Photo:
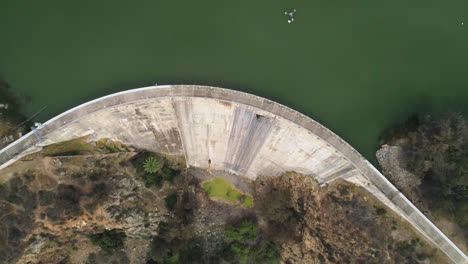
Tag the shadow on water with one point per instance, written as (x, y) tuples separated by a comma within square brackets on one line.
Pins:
[(14, 112), (418, 107)]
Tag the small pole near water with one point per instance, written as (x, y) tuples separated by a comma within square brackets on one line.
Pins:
[(8, 138), (36, 131), (29, 119), (290, 15)]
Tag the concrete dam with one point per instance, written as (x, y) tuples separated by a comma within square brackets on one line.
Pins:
[(225, 130)]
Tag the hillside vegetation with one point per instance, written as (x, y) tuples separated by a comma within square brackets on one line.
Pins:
[(435, 150), (104, 202), (12, 120)]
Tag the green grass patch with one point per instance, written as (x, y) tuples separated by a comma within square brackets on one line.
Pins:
[(77, 146), (111, 146), (219, 187), (248, 200)]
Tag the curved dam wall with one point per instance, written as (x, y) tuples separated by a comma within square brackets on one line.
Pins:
[(225, 130)]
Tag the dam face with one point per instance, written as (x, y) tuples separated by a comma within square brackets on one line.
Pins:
[(225, 130), (219, 132)]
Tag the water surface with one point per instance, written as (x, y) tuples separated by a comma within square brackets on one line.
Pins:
[(355, 66)]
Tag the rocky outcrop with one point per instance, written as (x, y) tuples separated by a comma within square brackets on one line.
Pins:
[(390, 159), (47, 212)]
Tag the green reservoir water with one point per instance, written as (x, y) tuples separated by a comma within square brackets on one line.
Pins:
[(355, 66)]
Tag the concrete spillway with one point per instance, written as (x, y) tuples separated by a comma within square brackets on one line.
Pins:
[(225, 130)]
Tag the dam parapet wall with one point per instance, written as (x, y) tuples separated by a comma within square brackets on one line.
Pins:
[(225, 130)]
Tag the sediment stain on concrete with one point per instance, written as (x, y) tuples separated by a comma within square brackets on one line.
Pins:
[(204, 125), (343, 173), (248, 134), (185, 120), (165, 139)]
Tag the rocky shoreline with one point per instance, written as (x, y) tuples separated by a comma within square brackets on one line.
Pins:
[(12, 121), (390, 159)]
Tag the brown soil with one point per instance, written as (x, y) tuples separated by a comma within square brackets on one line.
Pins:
[(9, 133), (49, 206), (341, 223)]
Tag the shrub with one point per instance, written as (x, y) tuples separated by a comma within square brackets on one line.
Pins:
[(68, 199), (158, 250), (168, 174), (94, 176), (154, 169), (3, 191), (175, 251), (245, 245), (91, 259), (152, 180), (266, 252), (278, 210), (192, 251), (380, 210), (151, 165), (109, 241), (171, 201), (172, 258), (244, 231), (99, 191), (46, 197)]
